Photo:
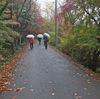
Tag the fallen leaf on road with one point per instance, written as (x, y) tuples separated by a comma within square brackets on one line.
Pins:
[(74, 76), (7, 83), (80, 75), (85, 88), (50, 82), (18, 89), (45, 90), (8, 71), (32, 90), (88, 82), (14, 97), (1, 89), (12, 78), (27, 67), (14, 89), (24, 82), (88, 74), (30, 85), (13, 81), (78, 97), (6, 89), (75, 94), (88, 94), (94, 79), (20, 75)]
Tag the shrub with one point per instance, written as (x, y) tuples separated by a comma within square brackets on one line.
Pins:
[(52, 38), (83, 46)]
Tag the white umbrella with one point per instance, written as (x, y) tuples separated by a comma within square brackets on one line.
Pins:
[(40, 36), (46, 34), (30, 36)]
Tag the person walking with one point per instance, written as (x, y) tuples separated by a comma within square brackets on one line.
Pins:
[(39, 39), (31, 40), (45, 41)]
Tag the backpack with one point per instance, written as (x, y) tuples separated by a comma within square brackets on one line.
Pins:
[(46, 39)]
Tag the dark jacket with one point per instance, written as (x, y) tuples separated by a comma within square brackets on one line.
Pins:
[(45, 39), (39, 39)]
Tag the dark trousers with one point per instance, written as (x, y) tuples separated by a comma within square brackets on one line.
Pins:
[(39, 42), (39, 39), (45, 44), (31, 45)]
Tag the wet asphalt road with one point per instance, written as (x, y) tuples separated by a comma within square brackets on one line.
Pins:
[(45, 74)]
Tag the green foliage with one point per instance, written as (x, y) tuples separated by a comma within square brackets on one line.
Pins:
[(8, 32), (52, 38), (3, 7), (87, 39), (10, 40), (7, 41), (82, 45), (23, 12), (96, 2), (98, 70), (79, 32), (49, 25), (32, 23)]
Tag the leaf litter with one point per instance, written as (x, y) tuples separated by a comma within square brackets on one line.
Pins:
[(7, 70)]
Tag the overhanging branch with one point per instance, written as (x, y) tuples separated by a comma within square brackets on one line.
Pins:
[(92, 17)]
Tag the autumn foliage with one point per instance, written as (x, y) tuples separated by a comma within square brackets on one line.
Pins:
[(7, 71)]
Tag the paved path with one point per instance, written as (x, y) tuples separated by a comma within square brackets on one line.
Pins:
[(45, 74)]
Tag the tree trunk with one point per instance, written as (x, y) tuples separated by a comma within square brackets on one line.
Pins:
[(21, 10), (20, 40)]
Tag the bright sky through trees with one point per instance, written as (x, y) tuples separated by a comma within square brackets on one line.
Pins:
[(42, 2)]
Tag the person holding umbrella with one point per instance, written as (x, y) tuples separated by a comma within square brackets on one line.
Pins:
[(45, 40), (39, 36), (31, 40)]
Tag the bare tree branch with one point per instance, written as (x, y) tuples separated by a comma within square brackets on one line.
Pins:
[(21, 10), (92, 17)]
